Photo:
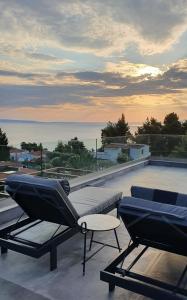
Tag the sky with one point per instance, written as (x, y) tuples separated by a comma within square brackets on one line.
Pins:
[(92, 60)]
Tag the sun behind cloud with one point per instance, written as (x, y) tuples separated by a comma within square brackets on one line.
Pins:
[(126, 68), (149, 70)]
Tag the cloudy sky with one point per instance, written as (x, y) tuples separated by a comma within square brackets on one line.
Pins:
[(91, 60)]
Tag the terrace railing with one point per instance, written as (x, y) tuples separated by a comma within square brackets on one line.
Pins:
[(93, 156)]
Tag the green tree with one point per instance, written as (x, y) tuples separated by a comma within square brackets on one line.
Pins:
[(51, 155), (84, 160), (60, 147), (150, 126), (172, 125), (56, 161), (163, 139), (150, 133), (31, 146), (180, 151), (122, 158), (4, 149), (76, 146), (72, 155), (172, 130), (121, 128), (184, 126)]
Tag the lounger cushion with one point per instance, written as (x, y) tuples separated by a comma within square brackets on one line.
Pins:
[(46, 200), (90, 200)]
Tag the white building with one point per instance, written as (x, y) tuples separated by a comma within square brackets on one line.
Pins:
[(134, 151), (138, 151), (20, 155), (24, 155)]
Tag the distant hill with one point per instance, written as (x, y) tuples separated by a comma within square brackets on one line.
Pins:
[(59, 122), (46, 122), (17, 121)]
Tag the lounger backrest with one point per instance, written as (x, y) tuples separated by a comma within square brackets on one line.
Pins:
[(155, 222), (42, 199)]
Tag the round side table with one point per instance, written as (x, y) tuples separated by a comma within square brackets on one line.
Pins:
[(97, 222)]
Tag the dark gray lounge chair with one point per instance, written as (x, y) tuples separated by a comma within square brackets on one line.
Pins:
[(153, 218), (51, 215)]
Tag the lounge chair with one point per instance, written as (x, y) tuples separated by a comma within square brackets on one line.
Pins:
[(49, 216), (153, 218)]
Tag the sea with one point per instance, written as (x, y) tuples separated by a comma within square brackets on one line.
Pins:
[(49, 133)]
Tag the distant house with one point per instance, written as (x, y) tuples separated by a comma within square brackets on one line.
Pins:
[(113, 150), (24, 155), (138, 151), (20, 155)]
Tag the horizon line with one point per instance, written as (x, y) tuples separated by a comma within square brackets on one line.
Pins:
[(37, 121)]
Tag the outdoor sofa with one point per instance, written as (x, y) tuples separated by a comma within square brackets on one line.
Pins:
[(153, 218), (49, 215)]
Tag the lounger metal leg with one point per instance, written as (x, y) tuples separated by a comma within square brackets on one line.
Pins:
[(117, 241), (111, 287), (53, 258), (84, 255), (4, 250), (91, 240)]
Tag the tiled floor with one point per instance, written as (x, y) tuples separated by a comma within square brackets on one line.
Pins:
[(22, 277), (168, 178)]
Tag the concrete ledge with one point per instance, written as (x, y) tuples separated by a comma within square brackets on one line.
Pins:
[(98, 178), (168, 163)]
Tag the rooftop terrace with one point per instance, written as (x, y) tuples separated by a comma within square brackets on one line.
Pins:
[(23, 277)]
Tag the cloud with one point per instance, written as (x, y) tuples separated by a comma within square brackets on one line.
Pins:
[(36, 96), (100, 27), (73, 54), (159, 24), (89, 88)]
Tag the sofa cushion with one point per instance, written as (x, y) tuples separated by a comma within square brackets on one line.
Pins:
[(91, 200)]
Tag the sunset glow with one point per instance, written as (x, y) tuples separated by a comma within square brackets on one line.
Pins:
[(93, 60), (152, 71)]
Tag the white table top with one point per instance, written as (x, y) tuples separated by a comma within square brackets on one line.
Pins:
[(99, 222)]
